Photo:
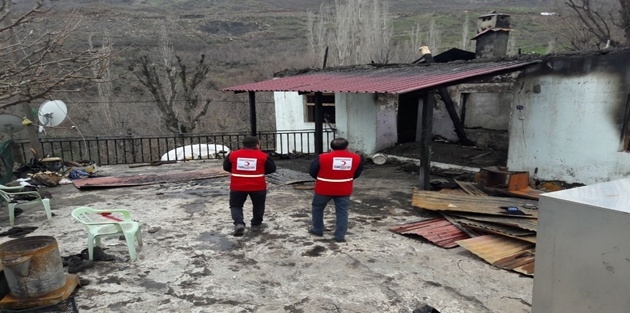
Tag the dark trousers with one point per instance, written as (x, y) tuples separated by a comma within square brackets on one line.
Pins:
[(237, 200)]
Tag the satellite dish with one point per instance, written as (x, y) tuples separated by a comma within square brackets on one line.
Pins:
[(52, 113), (10, 124)]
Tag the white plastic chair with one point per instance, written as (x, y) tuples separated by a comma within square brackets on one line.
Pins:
[(109, 228), (12, 196)]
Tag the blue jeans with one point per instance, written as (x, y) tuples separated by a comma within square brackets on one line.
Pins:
[(237, 200), (341, 214)]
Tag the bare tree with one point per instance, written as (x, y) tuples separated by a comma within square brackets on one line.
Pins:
[(434, 37), (465, 27), (607, 22), (104, 84), (35, 60), (178, 115), (357, 32)]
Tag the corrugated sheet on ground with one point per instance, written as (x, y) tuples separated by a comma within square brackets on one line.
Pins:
[(436, 230), (503, 252)]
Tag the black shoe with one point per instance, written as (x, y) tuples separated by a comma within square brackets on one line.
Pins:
[(340, 240), (256, 228), (98, 255), (77, 264), (239, 230), (65, 259), (312, 232)]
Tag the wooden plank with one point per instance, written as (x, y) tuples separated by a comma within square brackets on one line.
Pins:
[(436, 201)]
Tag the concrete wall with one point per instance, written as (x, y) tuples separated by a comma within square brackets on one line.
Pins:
[(492, 44), (569, 126), (291, 115), (368, 121), (488, 109)]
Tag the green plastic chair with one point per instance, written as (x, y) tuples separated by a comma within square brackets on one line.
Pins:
[(12, 196), (108, 226)]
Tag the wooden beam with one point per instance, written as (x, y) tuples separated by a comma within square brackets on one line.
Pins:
[(252, 113), (426, 135)]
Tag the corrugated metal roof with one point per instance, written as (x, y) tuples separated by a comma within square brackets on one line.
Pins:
[(503, 252), (522, 223), (394, 79), (498, 229), (436, 230)]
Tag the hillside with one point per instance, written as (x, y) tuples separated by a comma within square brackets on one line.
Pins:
[(247, 41)]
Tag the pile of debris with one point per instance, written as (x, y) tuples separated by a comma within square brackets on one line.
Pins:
[(499, 229), (52, 171)]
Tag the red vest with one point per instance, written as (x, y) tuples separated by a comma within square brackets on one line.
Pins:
[(248, 170), (336, 172)]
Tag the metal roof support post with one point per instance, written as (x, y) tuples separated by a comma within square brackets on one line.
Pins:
[(252, 112), (428, 100), (319, 124)]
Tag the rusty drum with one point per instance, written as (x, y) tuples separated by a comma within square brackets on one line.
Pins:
[(32, 266)]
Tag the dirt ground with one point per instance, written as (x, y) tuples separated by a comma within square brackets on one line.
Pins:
[(192, 263), (452, 153)]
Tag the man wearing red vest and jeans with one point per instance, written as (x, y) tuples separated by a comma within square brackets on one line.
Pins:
[(334, 173), (248, 167)]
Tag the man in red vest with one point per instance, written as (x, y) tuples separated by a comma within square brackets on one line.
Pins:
[(248, 167), (334, 173)]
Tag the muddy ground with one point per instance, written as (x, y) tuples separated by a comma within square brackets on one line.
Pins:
[(194, 264)]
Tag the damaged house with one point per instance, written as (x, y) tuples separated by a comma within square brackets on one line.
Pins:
[(561, 117), (377, 106), (570, 118)]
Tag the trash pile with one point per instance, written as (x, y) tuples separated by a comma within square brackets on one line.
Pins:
[(52, 171), (499, 229)]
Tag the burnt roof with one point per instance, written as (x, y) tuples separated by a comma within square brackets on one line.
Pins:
[(374, 78)]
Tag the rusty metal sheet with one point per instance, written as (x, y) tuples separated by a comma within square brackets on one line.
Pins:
[(148, 179), (503, 252), (452, 191), (436, 201), (471, 188), (394, 79), (497, 229), (439, 231), (522, 223)]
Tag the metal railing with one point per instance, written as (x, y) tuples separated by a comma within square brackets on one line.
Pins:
[(110, 150)]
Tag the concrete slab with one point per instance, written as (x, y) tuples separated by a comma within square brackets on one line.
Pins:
[(194, 264)]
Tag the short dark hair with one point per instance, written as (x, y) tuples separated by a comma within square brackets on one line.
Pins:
[(339, 144), (250, 142)]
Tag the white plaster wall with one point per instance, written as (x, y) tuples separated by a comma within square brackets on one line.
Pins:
[(290, 116), (386, 127), (567, 130), (356, 120), (368, 122)]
